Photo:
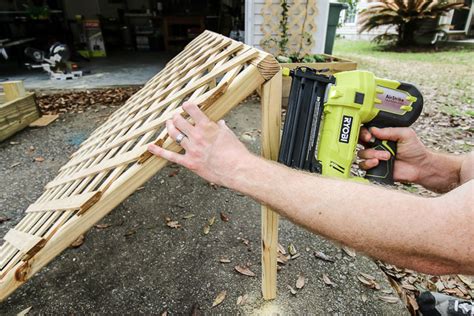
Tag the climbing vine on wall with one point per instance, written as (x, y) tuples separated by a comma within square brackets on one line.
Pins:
[(288, 27)]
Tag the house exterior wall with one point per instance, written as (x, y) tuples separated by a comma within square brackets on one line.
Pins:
[(254, 19)]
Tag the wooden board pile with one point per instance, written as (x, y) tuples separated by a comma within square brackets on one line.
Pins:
[(213, 71), (17, 108)]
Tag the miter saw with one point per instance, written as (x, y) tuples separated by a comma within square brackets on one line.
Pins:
[(56, 63)]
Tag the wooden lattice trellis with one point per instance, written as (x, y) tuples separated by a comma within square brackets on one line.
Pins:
[(215, 72), (301, 26)]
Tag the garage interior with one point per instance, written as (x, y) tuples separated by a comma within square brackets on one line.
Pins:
[(113, 42)]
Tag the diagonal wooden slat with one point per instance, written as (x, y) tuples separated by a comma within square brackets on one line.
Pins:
[(23, 241), (76, 202)]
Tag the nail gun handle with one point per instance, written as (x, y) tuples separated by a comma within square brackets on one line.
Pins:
[(383, 172)]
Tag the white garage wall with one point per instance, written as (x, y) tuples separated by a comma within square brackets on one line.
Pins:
[(254, 19)]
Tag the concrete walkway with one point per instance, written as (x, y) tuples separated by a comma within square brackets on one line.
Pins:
[(139, 265), (118, 69)]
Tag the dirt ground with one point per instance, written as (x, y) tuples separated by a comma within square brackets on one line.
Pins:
[(139, 265)]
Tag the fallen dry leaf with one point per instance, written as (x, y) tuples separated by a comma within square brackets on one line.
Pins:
[(39, 159), (410, 287), (244, 270), (173, 173), (389, 299), (78, 242), (213, 185), (468, 280), (206, 229), (242, 299), (219, 298), (224, 260), (367, 276), (4, 219), (102, 226), (327, 280), (211, 221), (350, 252), (24, 312), (13, 165), (364, 281), (300, 282), (188, 216), (295, 256), (245, 241), (78, 101), (281, 249), (292, 290), (130, 232), (292, 249), (369, 283), (14, 143), (413, 303), (173, 224), (224, 217), (321, 255), (364, 298), (282, 258)]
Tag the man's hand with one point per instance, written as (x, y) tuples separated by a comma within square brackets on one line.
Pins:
[(212, 150), (411, 155), (415, 163)]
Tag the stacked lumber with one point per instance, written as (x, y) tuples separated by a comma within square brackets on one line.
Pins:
[(17, 108)]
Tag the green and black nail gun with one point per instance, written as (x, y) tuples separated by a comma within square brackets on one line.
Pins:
[(325, 114)]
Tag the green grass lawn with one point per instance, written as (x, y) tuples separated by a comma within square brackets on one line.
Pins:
[(455, 54)]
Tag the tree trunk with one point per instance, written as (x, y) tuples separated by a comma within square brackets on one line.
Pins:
[(406, 35)]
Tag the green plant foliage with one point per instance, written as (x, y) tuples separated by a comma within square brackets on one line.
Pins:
[(295, 58), (408, 16)]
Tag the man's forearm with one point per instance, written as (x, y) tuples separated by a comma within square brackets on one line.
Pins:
[(403, 229), (444, 172)]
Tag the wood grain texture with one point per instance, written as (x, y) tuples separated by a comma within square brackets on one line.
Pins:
[(17, 114), (271, 125), (76, 202), (212, 70)]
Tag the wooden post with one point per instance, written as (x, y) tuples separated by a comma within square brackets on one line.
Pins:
[(271, 122)]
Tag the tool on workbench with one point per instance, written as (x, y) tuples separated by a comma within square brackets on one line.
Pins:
[(56, 63), (325, 114)]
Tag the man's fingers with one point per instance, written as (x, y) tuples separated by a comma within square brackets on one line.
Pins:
[(369, 163), (364, 135), (193, 111), (222, 124), (166, 154), (392, 133), (174, 132), (181, 124), (372, 153)]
